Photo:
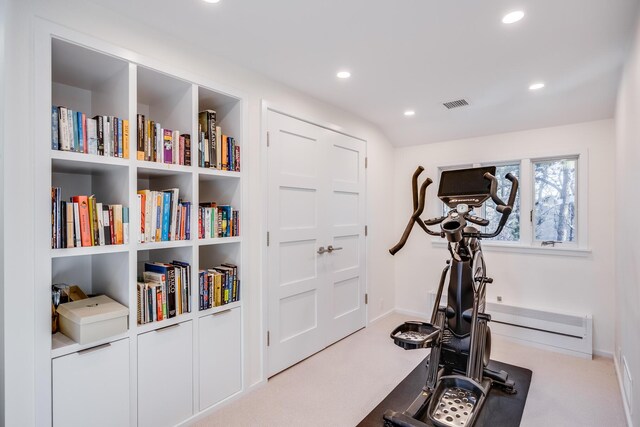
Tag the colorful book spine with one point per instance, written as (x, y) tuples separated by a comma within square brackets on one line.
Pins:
[(125, 138), (120, 139), (166, 215), (125, 225), (140, 137), (168, 146), (187, 149), (55, 132), (83, 213), (63, 129)]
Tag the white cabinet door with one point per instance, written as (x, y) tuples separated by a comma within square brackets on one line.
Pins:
[(316, 194), (91, 387), (165, 376), (220, 357)]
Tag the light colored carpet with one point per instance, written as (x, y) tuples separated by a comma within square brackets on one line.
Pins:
[(342, 384)]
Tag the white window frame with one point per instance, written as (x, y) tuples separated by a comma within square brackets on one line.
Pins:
[(527, 243), (535, 242)]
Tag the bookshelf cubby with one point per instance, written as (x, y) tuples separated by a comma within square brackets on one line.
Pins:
[(88, 81), (95, 78)]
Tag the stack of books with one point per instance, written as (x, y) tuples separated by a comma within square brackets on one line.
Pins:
[(101, 135), (217, 151), (156, 144), (219, 286), (217, 221), (163, 216), (83, 221), (164, 291)]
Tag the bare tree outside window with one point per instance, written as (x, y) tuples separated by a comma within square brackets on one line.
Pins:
[(511, 231), (555, 212)]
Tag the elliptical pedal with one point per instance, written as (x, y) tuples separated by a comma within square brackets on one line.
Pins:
[(455, 407)]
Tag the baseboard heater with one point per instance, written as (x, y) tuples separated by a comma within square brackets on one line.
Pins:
[(566, 333)]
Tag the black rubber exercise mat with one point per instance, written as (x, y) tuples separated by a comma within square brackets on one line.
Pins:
[(500, 409)]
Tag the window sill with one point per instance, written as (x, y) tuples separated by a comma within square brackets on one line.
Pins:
[(524, 249)]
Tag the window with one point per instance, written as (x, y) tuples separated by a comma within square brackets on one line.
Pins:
[(555, 208), (511, 231), (551, 196)]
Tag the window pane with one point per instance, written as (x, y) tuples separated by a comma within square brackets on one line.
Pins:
[(555, 200), (511, 230)]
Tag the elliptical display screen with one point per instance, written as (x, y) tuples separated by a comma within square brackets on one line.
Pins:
[(465, 186)]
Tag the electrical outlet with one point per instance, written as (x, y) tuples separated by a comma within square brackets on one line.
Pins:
[(499, 298)]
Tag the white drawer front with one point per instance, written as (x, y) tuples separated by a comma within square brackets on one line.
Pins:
[(165, 376), (220, 357), (91, 387)]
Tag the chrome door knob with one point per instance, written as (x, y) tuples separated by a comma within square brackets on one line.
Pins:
[(322, 250), (331, 249)]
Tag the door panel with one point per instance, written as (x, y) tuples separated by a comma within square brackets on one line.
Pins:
[(316, 199), (346, 266), (296, 188)]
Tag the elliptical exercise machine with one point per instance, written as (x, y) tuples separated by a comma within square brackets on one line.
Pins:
[(458, 380)]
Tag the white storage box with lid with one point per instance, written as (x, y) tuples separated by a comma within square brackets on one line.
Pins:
[(92, 319)]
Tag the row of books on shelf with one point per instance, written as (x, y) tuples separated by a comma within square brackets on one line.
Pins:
[(219, 286), (164, 291), (217, 221), (217, 151), (101, 135), (156, 144), (82, 221), (163, 216)]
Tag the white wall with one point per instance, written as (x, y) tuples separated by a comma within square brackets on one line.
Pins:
[(87, 18), (581, 285), (17, 220), (3, 12), (627, 203)]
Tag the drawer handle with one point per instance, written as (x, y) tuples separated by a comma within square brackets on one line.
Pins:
[(221, 312), (96, 348), (167, 327)]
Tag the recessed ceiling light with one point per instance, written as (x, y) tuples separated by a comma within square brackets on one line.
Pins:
[(409, 113), (343, 74), (212, 1), (536, 86), (512, 17)]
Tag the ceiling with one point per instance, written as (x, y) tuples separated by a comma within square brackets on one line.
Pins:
[(417, 54)]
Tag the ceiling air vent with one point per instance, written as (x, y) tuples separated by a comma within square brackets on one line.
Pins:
[(455, 104)]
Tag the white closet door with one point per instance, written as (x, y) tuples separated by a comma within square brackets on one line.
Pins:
[(297, 229), (345, 264), (316, 199)]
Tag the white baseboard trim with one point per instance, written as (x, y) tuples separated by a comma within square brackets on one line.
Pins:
[(541, 346), (417, 314), (209, 411), (603, 353), (381, 316), (624, 398), (424, 316)]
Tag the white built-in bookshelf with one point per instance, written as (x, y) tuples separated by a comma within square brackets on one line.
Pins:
[(170, 370)]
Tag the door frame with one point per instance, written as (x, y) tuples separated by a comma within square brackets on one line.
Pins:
[(266, 107)]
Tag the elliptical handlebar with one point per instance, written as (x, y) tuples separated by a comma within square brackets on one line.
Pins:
[(504, 208), (418, 204)]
